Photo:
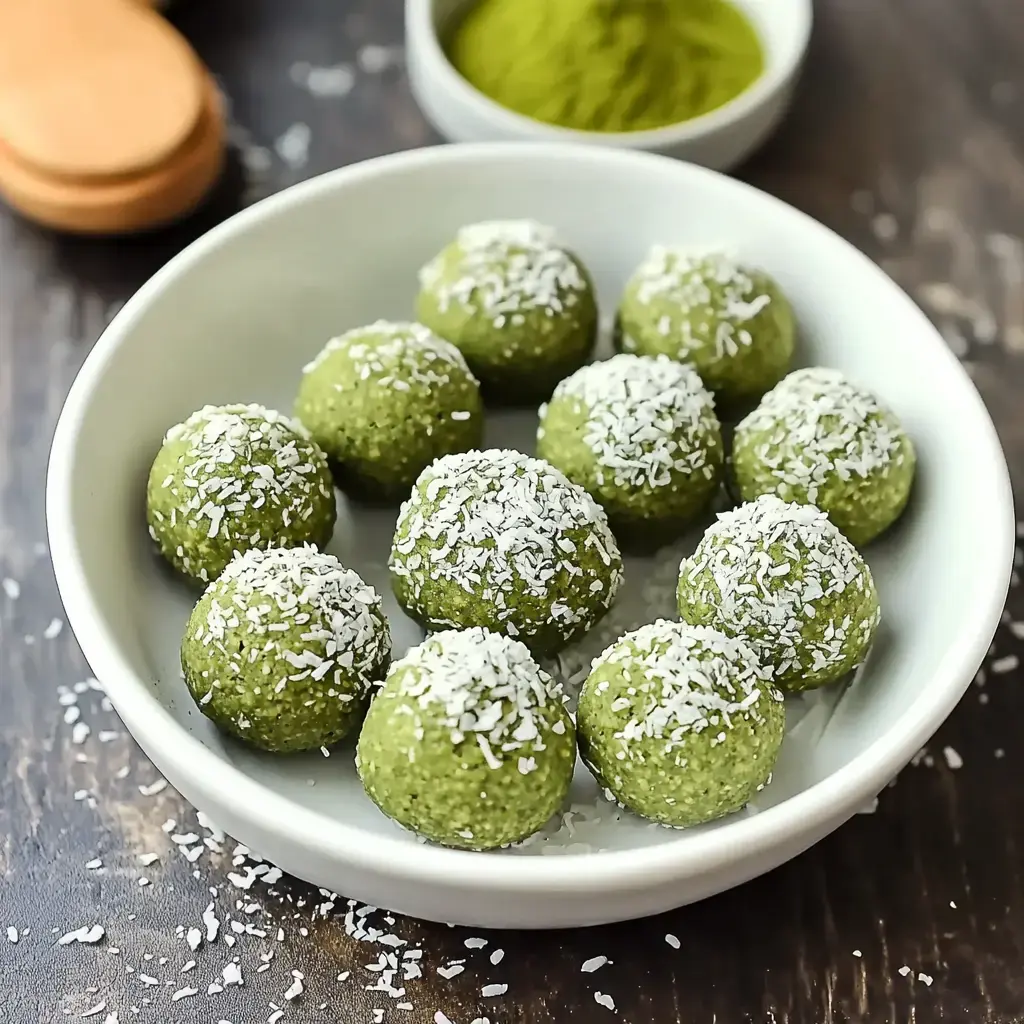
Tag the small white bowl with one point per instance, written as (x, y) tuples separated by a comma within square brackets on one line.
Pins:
[(236, 315), (720, 139)]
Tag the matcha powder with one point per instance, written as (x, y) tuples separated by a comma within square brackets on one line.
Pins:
[(607, 65)]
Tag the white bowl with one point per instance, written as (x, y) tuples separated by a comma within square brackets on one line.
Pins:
[(235, 316), (719, 139)]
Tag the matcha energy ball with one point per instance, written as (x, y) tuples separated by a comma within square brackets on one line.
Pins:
[(680, 723), (784, 579), (641, 435), (235, 477), (384, 401), (818, 439), (520, 307), (468, 742), (504, 541), (731, 322), (283, 647)]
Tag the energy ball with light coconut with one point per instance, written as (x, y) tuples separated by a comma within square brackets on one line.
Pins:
[(468, 743), (784, 579), (817, 438), (504, 541), (640, 434), (232, 478), (384, 401), (730, 322), (282, 649), (521, 308), (681, 724)]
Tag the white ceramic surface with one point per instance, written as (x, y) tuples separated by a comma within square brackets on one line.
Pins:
[(719, 139), (234, 318)]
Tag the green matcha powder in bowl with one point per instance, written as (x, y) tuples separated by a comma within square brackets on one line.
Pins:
[(609, 66)]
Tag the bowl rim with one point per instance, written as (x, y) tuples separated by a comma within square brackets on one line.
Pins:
[(422, 35), (209, 779)]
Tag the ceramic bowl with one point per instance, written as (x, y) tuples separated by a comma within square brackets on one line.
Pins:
[(719, 139), (234, 318)]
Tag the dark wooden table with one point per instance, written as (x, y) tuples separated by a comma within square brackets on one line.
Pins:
[(908, 138)]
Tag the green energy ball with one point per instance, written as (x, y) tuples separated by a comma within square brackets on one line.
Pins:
[(232, 478), (384, 401), (680, 724), (640, 434), (818, 439), (468, 742), (504, 541), (521, 308), (732, 323), (282, 649), (783, 578)]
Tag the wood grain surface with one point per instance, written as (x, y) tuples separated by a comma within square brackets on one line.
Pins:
[(907, 138)]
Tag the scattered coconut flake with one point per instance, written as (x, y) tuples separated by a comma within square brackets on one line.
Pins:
[(94, 1010), (857, 953), (490, 991), (93, 865), (926, 978), (602, 999), (903, 971), (672, 941), (153, 788), (85, 934), (594, 963), (12, 934), (497, 956), (1001, 666), (475, 943), (184, 993), (953, 759), (12, 588), (53, 629)]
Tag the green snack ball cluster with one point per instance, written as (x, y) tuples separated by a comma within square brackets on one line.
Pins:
[(732, 323), (468, 743), (783, 578), (818, 439), (281, 650), (640, 434), (681, 724), (504, 541), (232, 478), (520, 307), (384, 401)]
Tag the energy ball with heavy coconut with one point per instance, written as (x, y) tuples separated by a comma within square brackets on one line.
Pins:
[(640, 434), (282, 649), (468, 743), (504, 541), (731, 322), (520, 307), (783, 578), (680, 723), (816, 438), (232, 478), (384, 401)]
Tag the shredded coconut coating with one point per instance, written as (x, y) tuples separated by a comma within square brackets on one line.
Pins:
[(502, 540), (818, 438), (785, 579), (468, 742), (680, 723), (284, 646), (506, 268), (231, 478)]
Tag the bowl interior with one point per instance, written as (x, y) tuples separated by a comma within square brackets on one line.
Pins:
[(235, 318)]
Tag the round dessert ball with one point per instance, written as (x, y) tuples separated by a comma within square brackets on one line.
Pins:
[(468, 742), (818, 439), (640, 434), (520, 307), (731, 322), (282, 649), (232, 478), (504, 541), (680, 724), (384, 401), (783, 578)]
